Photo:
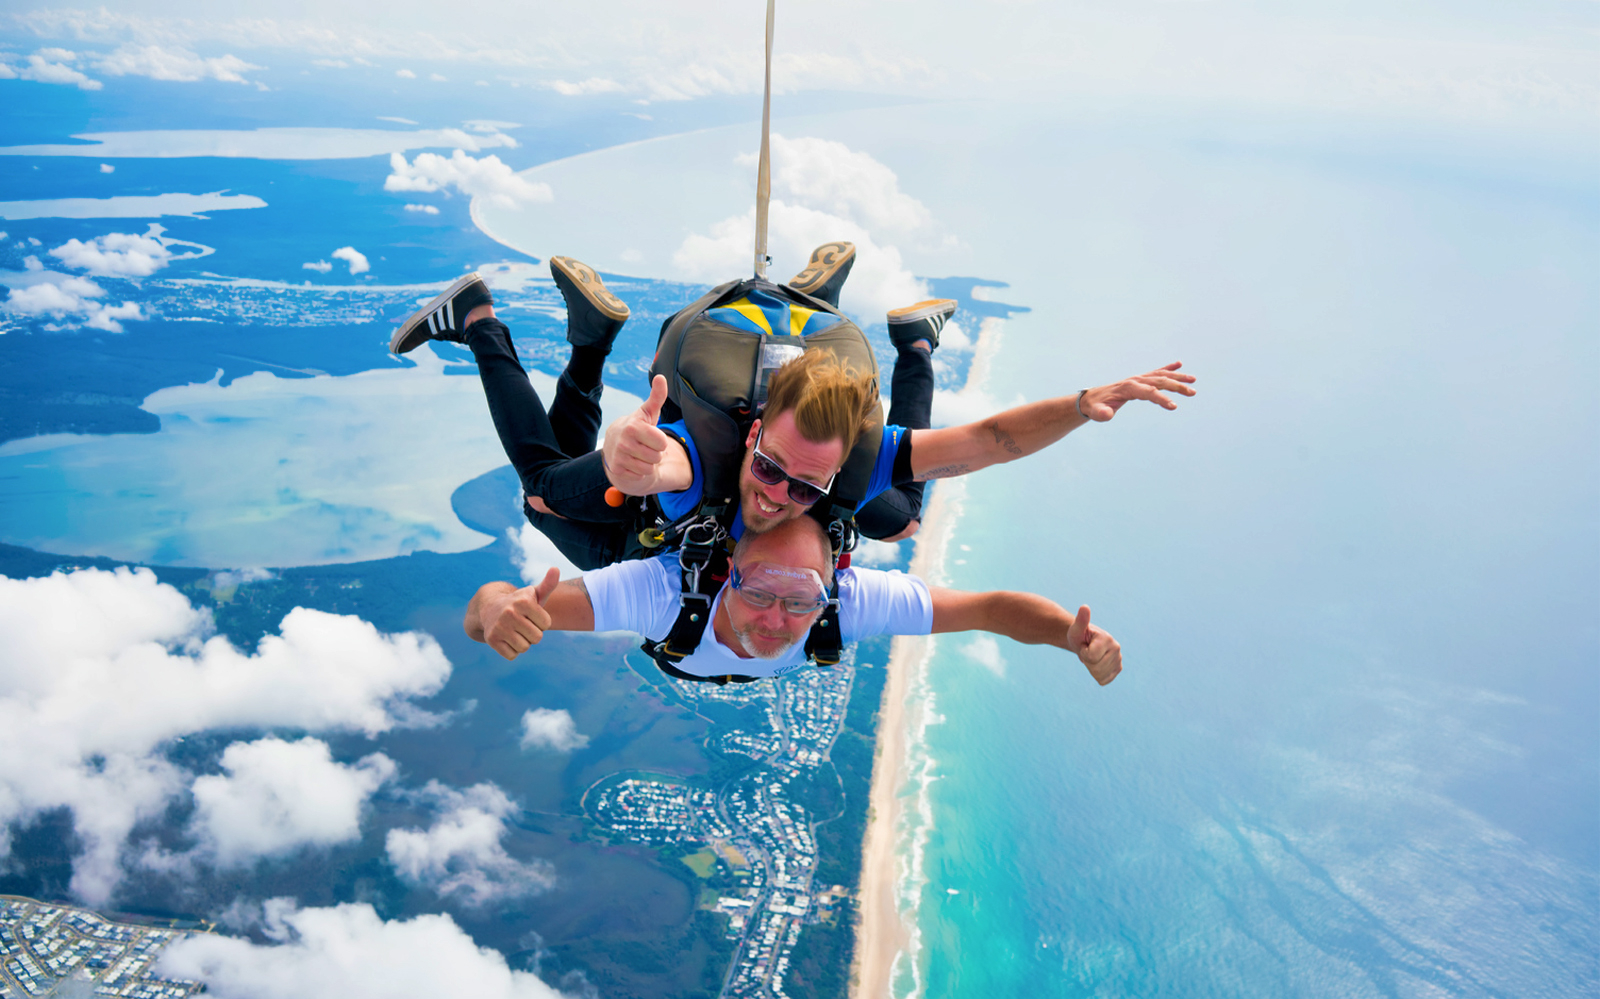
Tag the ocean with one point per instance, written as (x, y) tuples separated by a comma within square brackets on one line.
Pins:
[(1353, 751)]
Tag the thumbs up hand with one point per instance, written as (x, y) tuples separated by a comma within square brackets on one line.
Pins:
[(1095, 648), (640, 458), (516, 620)]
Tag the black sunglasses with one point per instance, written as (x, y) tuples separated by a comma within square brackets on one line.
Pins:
[(766, 470)]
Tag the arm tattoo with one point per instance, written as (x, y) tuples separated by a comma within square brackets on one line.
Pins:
[(943, 472), (576, 583), (1002, 438)]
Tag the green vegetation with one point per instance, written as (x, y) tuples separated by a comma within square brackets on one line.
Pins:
[(839, 838), (702, 862), (819, 965)]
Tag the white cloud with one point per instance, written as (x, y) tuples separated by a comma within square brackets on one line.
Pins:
[(399, 121), (59, 55), (354, 257), (985, 651), (460, 855), (825, 191), (879, 281), (872, 552), (41, 70), (116, 254), (967, 406), (831, 177), (593, 85), (176, 64), (64, 295), (534, 554), (103, 668), (107, 168), (487, 178), (424, 209), (60, 295), (487, 126), (240, 577), (436, 78), (278, 796), (546, 728), (1494, 60), (349, 952), (405, 74), (106, 317), (320, 266)]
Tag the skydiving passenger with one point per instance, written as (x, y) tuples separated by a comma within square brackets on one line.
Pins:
[(792, 451), (774, 596)]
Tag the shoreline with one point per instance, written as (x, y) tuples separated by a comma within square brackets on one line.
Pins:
[(883, 933)]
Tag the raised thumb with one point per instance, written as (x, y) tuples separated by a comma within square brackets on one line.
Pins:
[(651, 409), (546, 585), (1078, 631)]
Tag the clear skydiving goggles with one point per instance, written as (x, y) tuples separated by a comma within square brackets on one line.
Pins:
[(763, 584)]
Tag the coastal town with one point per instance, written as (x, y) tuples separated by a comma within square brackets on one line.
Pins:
[(46, 949), (748, 827)]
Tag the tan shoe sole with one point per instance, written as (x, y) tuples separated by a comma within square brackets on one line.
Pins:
[(922, 310), (584, 278), (825, 260)]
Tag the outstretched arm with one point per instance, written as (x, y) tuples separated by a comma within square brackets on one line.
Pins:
[(640, 458), (511, 620), (1007, 436), (1032, 620)]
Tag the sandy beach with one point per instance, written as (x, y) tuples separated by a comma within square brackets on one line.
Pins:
[(882, 932)]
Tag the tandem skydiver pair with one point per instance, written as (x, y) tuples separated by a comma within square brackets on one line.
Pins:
[(763, 407)]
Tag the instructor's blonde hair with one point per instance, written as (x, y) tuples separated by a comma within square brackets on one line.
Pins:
[(830, 401)]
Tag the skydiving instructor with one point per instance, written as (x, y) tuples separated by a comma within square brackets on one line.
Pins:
[(786, 468)]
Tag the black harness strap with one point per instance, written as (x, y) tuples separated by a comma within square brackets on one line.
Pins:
[(825, 643), (703, 563)]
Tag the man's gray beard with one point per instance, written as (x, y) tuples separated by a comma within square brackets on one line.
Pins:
[(749, 646)]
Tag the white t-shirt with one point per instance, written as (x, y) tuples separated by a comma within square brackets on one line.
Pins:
[(641, 596)]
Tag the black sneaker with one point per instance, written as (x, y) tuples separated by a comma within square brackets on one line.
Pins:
[(922, 321), (824, 275), (594, 315), (445, 317)]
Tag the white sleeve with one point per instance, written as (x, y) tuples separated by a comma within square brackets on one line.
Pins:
[(874, 602), (634, 596)]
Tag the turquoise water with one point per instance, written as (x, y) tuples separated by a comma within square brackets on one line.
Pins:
[(1353, 751)]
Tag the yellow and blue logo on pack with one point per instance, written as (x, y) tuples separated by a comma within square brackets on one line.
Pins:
[(762, 312)]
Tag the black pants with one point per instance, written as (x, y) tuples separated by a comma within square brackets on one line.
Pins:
[(554, 451), (910, 405)]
